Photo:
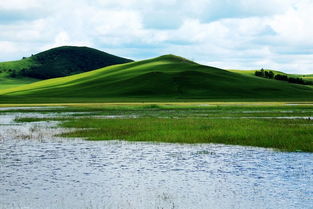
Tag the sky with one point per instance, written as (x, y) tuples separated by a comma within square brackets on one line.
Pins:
[(230, 34)]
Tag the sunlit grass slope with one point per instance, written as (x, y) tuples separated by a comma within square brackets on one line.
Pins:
[(6, 81), (306, 77), (251, 72), (18, 64), (164, 78)]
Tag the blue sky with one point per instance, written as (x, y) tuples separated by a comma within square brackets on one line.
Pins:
[(231, 34)]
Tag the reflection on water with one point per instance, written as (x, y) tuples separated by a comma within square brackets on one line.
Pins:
[(54, 173)]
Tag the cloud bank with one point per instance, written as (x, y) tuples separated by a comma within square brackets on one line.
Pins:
[(243, 34)]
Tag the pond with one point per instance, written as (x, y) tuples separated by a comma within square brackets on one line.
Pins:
[(39, 170)]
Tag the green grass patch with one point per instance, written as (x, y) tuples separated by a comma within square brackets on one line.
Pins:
[(6, 81), (189, 123), (192, 123), (289, 135)]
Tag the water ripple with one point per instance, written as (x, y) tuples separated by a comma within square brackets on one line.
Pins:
[(54, 173)]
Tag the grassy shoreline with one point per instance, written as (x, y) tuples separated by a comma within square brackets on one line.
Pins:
[(190, 123), (164, 103)]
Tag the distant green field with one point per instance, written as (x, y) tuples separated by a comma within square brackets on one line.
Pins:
[(166, 78), (251, 72), (307, 77)]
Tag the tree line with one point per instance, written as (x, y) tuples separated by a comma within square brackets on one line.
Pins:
[(271, 75)]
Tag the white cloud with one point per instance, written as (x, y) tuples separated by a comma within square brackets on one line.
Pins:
[(296, 25), (62, 38), (231, 34), (20, 4), (8, 46)]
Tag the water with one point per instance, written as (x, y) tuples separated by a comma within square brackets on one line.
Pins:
[(45, 172)]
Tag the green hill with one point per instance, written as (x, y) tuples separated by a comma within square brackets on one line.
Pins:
[(53, 63), (306, 77), (166, 78), (7, 82)]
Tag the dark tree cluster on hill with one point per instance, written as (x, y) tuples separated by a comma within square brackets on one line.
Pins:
[(13, 73), (270, 75), (265, 74), (5, 71)]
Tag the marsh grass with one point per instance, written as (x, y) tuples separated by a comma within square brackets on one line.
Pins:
[(193, 124), (34, 119), (289, 135)]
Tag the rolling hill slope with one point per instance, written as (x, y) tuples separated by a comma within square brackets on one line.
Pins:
[(8, 82), (53, 63), (306, 77), (165, 78)]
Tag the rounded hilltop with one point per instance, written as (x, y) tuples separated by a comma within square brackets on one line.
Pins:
[(62, 61), (172, 57)]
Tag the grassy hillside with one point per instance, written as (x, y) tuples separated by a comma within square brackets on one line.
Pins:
[(306, 77), (165, 78), (8, 82), (56, 62), (17, 65), (251, 72)]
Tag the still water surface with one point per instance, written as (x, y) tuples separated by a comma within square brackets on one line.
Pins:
[(39, 171)]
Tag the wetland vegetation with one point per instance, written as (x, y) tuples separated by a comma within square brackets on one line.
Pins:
[(279, 126)]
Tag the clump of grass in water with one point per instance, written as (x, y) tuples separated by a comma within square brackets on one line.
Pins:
[(35, 119), (280, 134)]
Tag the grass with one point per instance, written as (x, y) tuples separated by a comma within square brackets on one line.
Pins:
[(251, 72), (7, 82), (56, 62), (166, 78), (306, 77), (289, 135), (187, 108), (18, 64), (192, 123)]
